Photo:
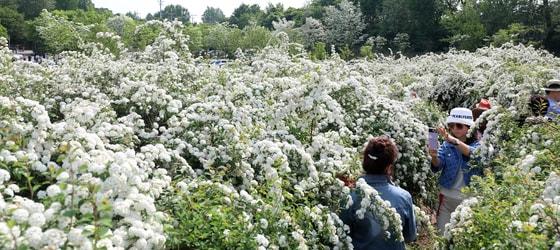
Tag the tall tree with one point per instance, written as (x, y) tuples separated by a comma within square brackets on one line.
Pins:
[(344, 24), (213, 15), (272, 13), (420, 19), (14, 23), (370, 10), (32, 8), (498, 14), (295, 14), (60, 34), (85, 4), (73, 4), (246, 14), (13, 4), (172, 12), (313, 32), (551, 13), (123, 26), (465, 28), (133, 14)]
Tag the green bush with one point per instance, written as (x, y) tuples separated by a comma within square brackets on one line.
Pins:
[(366, 51), (518, 33), (319, 52), (4, 32), (346, 53)]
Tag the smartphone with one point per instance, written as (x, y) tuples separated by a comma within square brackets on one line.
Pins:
[(433, 139)]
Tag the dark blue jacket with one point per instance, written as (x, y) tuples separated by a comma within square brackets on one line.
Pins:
[(366, 233)]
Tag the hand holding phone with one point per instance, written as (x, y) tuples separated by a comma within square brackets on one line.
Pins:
[(433, 142)]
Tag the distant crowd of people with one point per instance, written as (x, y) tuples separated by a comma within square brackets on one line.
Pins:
[(451, 159)]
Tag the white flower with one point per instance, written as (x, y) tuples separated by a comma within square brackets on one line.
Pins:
[(106, 243), (261, 240), (37, 219), (517, 224), (53, 190), (34, 236), (75, 236), (264, 223), (4, 176), (53, 238), (20, 215), (63, 176)]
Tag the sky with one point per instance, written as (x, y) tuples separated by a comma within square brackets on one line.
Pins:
[(196, 7)]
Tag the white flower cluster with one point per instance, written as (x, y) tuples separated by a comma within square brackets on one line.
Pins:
[(461, 219), (546, 211), (116, 190), (382, 210), (320, 226)]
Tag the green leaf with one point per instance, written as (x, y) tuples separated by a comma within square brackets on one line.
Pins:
[(70, 213)]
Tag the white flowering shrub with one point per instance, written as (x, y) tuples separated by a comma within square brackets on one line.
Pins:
[(148, 149), (516, 204)]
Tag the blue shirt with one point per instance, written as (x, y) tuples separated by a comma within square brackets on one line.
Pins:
[(553, 109), (450, 160), (366, 233)]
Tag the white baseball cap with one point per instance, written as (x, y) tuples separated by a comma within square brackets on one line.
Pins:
[(460, 115), (552, 85)]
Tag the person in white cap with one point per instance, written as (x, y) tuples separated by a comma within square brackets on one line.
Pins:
[(552, 91), (452, 159)]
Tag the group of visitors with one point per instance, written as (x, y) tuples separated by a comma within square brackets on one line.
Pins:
[(451, 158)]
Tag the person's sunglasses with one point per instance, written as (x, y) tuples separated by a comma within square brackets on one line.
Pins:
[(457, 125)]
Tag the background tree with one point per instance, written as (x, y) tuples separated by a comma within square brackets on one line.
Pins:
[(370, 10), (197, 34), (12, 4), (85, 4), (313, 32), (73, 4), (14, 23), (94, 17), (499, 14), (134, 15), (32, 8), (296, 15), (213, 15), (343, 24), (246, 14), (272, 13), (172, 12), (317, 8), (59, 34), (123, 26), (465, 27), (551, 14), (401, 42), (420, 19), (254, 38), (517, 33), (145, 34), (289, 28)]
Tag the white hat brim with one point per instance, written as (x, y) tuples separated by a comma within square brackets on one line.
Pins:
[(548, 89), (461, 121)]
